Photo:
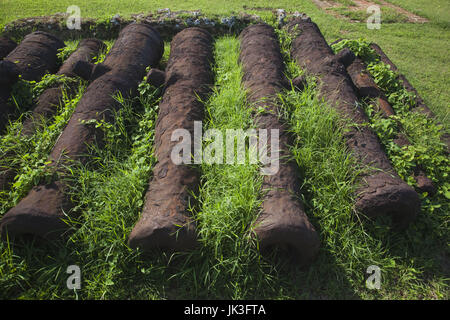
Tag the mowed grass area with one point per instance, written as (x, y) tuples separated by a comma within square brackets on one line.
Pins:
[(109, 193), (421, 51)]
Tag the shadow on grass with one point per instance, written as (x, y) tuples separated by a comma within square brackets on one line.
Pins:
[(38, 270), (276, 277)]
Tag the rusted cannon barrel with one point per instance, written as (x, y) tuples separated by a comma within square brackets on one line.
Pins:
[(282, 222), (165, 222), (6, 46), (49, 100), (420, 104), (381, 191), (36, 55), (43, 210), (367, 88), (138, 46)]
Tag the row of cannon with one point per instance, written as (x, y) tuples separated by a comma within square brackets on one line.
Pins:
[(165, 222)]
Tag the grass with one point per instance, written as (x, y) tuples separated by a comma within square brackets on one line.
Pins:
[(71, 46), (354, 15), (109, 190), (28, 154), (426, 151), (346, 2), (435, 10)]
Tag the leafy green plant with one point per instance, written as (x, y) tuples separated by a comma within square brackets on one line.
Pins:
[(67, 50), (360, 47)]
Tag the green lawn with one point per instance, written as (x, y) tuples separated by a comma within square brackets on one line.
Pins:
[(422, 52), (109, 191)]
